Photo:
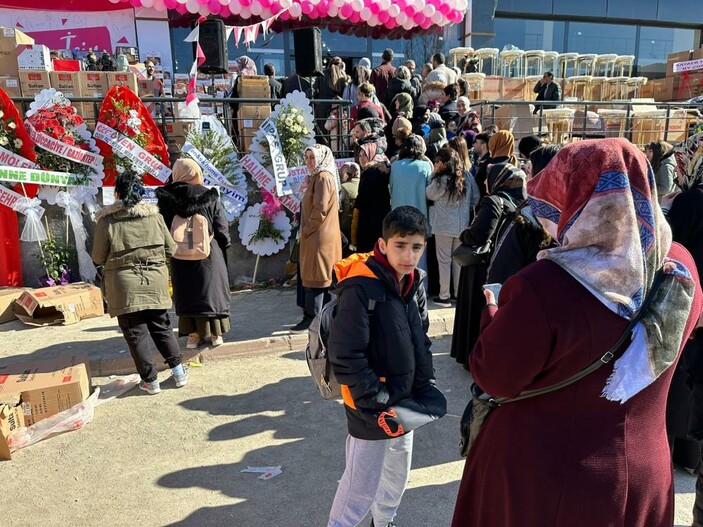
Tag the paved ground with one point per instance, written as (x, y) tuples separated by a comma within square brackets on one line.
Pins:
[(261, 320), (175, 459)]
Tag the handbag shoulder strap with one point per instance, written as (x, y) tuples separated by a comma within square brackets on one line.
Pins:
[(604, 359)]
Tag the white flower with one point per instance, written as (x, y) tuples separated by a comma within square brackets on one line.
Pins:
[(3, 140), (288, 121), (133, 113), (299, 119), (11, 125), (305, 131), (18, 143), (2, 113), (119, 168), (293, 110), (296, 129)]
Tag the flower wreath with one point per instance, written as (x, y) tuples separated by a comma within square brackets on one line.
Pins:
[(15, 140), (264, 228), (124, 112), (51, 118)]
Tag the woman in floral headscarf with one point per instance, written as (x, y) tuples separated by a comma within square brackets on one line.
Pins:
[(320, 235), (684, 210), (594, 452)]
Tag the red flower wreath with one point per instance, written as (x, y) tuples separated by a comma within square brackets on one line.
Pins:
[(124, 111), (18, 140)]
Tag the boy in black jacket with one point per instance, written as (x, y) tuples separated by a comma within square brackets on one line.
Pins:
[(380, 354)]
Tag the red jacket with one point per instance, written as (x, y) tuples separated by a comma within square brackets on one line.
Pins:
[(570, 457)]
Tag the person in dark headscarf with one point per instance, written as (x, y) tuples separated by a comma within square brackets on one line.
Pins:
[(373, 201), (684, 210), (501, 148), (506, 191)]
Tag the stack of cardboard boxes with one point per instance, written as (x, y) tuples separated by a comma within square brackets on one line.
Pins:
[(250, 116), (677, 86)]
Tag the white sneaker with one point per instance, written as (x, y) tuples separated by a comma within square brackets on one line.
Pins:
[(181, 380), (193, 341), (152, 388), (217, 341)]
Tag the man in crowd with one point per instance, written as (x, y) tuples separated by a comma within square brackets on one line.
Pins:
[(381, 75), (448, 110), (439, 69), (415, 79), (547, 90), (307, 85), (276, 87)]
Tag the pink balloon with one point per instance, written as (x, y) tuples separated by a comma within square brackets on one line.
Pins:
[(245, 3), (313, 15), (203, 2), (135, 3), (391, 24), (181, 9), (410, 11), (307, 7), (458, 16), (323, 7), (419, 18), (444, 9), (265, 3), (375, 8), (346, 11), (284, 15), (426, 24), (402, 4), (383, 17), (355, 17)]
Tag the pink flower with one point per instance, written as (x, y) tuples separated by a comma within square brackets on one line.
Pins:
[(271, 206)]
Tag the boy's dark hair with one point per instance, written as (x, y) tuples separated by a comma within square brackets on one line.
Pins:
[(484, 136), (452, 91), (387, 55), (438, 58), (528, 144), (404, 221), (269, 70)]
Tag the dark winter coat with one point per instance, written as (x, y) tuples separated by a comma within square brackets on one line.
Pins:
[(380, 77), (134, 245), (396, 86), (373, 203), (570, 457), (200, 287), (381, 357)]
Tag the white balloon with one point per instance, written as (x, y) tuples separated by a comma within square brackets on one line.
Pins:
[(420, 5), (385, 4), (147, 3), (296, 10), (333, 10), (192, 6), (159, 5), (357, 5), (365, 14), (461, 5), (393, 11), (314, 2), (429, 10), (438, 17), (339, 3), (182, 1), (224, 2), (235, 8), (401, 19), (204, 10), (373, 21), (409, 24), (285, 4), (256, 8), (245, 12)]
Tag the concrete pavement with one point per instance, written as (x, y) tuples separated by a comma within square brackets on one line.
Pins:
[(261, 321)]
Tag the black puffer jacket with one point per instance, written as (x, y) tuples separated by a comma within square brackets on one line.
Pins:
[(200, 287), (380, 356)]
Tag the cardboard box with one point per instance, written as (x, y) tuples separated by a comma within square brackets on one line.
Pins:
[(121, 78), (66, 82), (10, 39), (32, 82), (180, 86), (11, 86), (689, 87), (65, 304), (175, 135), (8, 295), (92, 84), (664, 90), (492, 88), (672, 58), (252, 115), (513, 89), (36, 390), (254, 87), (34, 57)]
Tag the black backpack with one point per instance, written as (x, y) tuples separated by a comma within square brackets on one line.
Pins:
[(316, 353)]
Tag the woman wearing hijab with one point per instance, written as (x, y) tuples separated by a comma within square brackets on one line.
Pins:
[(200, 287), (134, 245), (506, 191), (373, 201), (593, 452), (501, 149), (684, 210), (400, 83), (320, 235)]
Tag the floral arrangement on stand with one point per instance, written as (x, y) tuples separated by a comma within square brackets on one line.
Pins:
[(209, 144), (265, 228), (123, 119), (55, 126)]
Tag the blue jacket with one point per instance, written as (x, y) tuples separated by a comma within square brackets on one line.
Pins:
[(409, 178)]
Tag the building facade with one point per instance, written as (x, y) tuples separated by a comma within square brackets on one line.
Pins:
[(647, 29)]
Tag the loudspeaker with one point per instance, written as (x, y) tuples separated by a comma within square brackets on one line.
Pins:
[(213, 41), (308, 51)]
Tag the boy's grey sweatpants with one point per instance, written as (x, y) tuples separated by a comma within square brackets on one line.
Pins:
[(374, 479)]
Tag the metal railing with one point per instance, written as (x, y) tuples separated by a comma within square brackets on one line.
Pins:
[(168, 114), (640, 121)]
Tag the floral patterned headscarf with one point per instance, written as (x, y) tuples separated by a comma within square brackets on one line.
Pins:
[(689, 161), (324, 162)]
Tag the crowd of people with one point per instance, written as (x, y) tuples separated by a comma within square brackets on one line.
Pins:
[(574, 271)]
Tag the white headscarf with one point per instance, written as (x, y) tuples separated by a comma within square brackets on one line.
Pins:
[(324, 162)]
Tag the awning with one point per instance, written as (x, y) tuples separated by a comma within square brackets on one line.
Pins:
[(64, 5)]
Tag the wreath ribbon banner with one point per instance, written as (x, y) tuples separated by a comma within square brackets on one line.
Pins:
[(278, 160), (55, 146), (11, 159), (15, 201), (210, 170), (125, 147), (41, 177), (263, 178)]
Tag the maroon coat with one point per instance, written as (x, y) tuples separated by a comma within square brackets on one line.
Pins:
[(567, 458), (380, 77)]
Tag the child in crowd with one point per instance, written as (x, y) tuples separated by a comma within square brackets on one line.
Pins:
[(379, 352), (451, 129)]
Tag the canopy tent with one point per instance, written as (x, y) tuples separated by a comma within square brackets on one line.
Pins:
[(65, 5)]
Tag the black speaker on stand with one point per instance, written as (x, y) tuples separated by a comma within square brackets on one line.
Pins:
[(213, 41), (308, 51)]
